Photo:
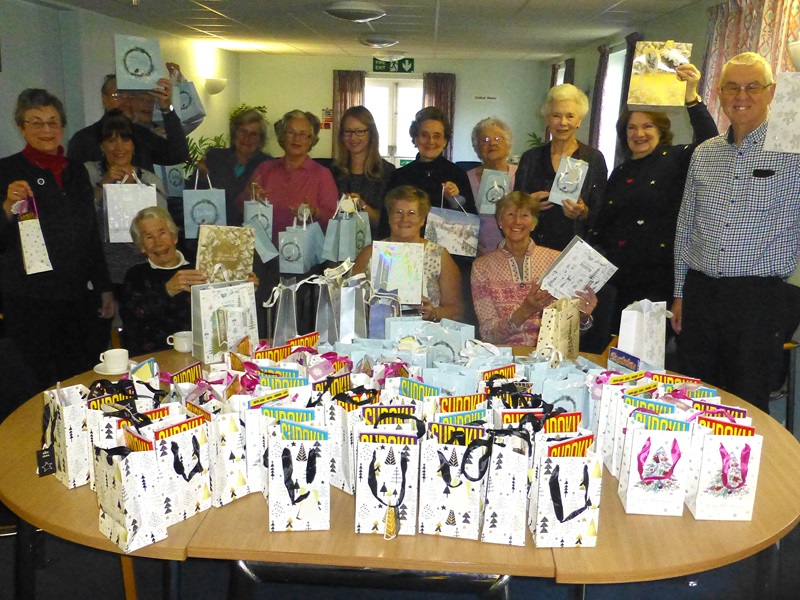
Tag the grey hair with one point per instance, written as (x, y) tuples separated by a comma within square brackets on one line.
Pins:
[(151, 212), (37, 98), (280, 126), (750, 59), (485, 124), (567, 91)]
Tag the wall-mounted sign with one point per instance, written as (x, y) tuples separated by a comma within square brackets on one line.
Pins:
[(485, 98), (405, 65)]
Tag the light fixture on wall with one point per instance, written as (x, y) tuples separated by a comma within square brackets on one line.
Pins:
[(794, 54), (378, 41), (354, 11), (215, 85), (390, 55)]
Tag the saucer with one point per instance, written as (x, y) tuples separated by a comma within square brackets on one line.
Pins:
[(99, 368)]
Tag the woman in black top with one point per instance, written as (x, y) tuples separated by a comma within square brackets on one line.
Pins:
[(636, 227), (565, 108), (359, 170), (231, 168), (430, 171)]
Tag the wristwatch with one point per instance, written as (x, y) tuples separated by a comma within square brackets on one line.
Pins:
[(166, 111)]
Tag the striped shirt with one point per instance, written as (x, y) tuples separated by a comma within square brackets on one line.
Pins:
[(740, 215)]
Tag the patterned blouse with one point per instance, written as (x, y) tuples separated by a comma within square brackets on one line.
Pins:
[(498, 289)]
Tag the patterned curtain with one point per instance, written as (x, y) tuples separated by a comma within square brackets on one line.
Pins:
[(597, 96), (348, 90), (439, 90), (569, 70), (780, 24)]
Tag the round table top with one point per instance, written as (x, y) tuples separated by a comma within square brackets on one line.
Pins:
[(629, 547)]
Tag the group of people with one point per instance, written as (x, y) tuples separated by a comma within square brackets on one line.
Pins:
[(733, 206)]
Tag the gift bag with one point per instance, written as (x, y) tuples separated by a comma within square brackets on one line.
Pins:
[(653, 475), (300, 247), (127, 485), (225, 253), (456, 230), (64, 430), (222, 315), (354, 234), (642, 331), (494, 185), (560, 328), (506, 489), (398, 266), (724, 475), (202, 207), (172, 177), (382, 306), (565, 506), (227, 465), (451, 489), (35, 258), (191, 107), (121, 203), (138, 63), (258, 216), (569, 180), (353, 309), (330, 247), (299, 498)]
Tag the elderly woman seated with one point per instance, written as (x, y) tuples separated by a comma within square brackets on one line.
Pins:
[(508, 301), (156, 300), (408, 208)]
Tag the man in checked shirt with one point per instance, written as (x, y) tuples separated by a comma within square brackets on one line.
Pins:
[(736, 242)]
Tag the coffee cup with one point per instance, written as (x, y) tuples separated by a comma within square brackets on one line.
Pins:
[(115, 361), (181, 341)]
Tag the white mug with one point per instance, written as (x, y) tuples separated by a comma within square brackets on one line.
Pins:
[(115, 361), (181, 341)]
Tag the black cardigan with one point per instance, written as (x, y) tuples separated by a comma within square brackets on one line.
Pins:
[(69, 227)]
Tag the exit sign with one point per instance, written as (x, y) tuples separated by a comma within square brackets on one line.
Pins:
[(405, 65)]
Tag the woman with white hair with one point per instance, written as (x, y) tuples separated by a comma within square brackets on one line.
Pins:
[(565, 108), (295, 178), (491, 140)]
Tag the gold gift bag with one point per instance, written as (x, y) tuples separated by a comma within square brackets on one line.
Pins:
[(560, 328)]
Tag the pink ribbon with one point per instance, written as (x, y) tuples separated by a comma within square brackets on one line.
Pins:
[(744, 466), (711, 413), (642, 457)]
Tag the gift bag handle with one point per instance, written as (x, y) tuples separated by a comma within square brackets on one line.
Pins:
[(555, 495), (121, 451), (744, 466), (391, 528), (441, 203), (208, 177), (177, 461), (292, 487), (396, 414), (642, 457)]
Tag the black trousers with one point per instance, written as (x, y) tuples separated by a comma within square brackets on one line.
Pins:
[(732, 333)]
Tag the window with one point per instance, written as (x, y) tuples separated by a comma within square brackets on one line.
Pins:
[(612, 92), (394, 103)]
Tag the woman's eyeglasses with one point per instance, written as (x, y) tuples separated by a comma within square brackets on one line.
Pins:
[(400, 213), (38, 125), (300, 135), (489, 140), (359, 133)]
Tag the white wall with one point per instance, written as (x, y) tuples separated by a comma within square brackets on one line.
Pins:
[(283, 83)]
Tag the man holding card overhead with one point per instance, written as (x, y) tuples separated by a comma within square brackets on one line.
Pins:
[(737, 240), (149, 147)]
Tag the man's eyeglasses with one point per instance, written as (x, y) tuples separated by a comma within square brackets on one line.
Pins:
[(751, 89), (359, 133), (38, 125)]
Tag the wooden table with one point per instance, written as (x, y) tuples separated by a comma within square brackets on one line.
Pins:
[(629, 548)]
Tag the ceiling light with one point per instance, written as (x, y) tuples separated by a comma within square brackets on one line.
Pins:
[(390, 55), (378, 41), (351, 10)]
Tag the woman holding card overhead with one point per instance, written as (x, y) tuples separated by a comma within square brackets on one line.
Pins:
[(51, 251), (408, 208), (491, 140), (636, 227), (508, 301), (565, 108)]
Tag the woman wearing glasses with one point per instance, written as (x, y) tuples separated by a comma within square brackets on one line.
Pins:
[(408, 208), (359, 170), (231, 168), (636, 227), (491, 140), (295, 178), (431, 172), (565, 108), (46, 285)]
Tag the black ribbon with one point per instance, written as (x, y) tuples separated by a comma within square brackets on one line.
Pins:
[(177, 462), (489, 443), (292, 487), (555, 495), (389, 414), (372, 480), (517, 398), (122, 411), (347, 397), (120, 451)]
